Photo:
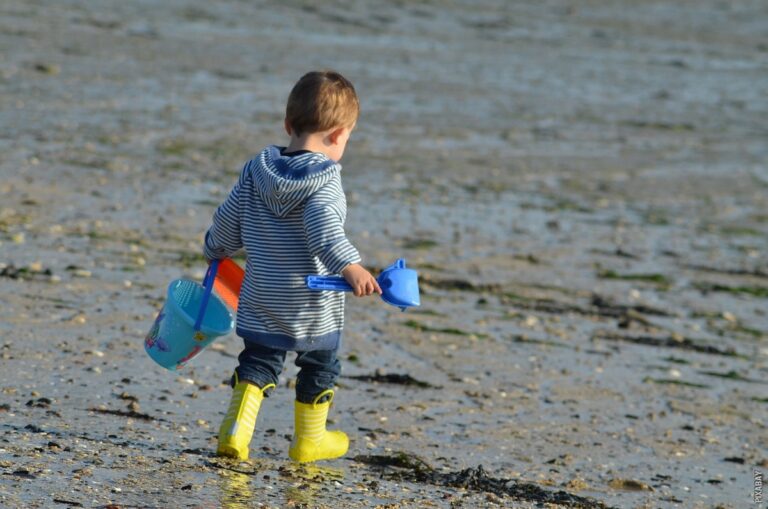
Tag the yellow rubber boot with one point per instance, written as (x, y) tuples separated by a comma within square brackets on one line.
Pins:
[(237, 428), (311, 441)]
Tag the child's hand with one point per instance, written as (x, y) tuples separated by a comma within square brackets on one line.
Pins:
[(361, 281)]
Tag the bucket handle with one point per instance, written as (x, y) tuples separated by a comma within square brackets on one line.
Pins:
[(210, 275)]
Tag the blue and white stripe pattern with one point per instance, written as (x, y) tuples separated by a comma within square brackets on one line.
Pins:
[(288, 213)]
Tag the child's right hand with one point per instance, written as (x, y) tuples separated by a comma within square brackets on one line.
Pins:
[(361, 281)]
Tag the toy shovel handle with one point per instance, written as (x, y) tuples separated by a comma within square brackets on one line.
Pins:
[(208, 287), (333, 283)]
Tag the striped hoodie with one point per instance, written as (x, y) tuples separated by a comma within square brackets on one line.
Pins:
[(288, 213)]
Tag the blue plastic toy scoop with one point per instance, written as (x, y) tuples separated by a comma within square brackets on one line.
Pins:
[(399, 285)]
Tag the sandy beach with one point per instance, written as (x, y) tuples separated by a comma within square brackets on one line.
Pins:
[(582, 187)]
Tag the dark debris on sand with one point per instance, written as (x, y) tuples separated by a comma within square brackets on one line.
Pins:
[(392, 378), (409, 467)]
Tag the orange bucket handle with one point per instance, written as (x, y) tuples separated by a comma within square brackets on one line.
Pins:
[(229, 279)]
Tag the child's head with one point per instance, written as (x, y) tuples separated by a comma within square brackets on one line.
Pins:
[(323, 103)]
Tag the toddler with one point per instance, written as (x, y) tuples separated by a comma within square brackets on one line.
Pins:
[(287, 211)]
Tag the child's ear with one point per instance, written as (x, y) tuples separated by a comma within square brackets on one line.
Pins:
[(334, 135), (287, 127)]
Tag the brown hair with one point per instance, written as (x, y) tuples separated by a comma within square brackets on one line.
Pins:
[(321, 100)]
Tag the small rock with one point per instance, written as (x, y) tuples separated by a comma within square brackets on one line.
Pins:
[(531, 321), (78, 319), (50, 69), (577, 484), (83, 472)]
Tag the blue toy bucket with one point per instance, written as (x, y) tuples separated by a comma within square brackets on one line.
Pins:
[(191, 319)]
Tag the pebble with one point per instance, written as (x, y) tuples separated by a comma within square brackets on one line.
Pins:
[(45, 68), (531, 321), (78, 319)]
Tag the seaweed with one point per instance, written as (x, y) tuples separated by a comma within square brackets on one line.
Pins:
[(392, 378), (599, 306), (524, 339), (676, 360), (732, 375), (446, 330), (740, 230), (428, 312), (733, 272), (608, 308), (662, 126), (13, 272), (419, 243), (458, 284), (669, 342), (755, 291), (409, 467), (655, 278), (131, 414), (673, 381)]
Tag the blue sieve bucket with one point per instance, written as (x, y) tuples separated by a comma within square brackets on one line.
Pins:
[(191, 319)]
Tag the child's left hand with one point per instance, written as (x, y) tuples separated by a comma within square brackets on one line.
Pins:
[(361, 281)]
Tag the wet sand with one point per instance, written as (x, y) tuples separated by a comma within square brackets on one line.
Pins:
[(581, 186)]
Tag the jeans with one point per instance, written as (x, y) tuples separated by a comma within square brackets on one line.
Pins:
[(262, 365)]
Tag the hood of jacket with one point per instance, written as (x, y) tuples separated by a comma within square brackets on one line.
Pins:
[(285, 182)]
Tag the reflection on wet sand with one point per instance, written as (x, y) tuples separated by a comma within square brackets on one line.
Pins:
[(243, 489), (236, 492), (306, 481)]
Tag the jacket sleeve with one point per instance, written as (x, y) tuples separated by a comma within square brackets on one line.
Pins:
[(223, 238), (324, 215)]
